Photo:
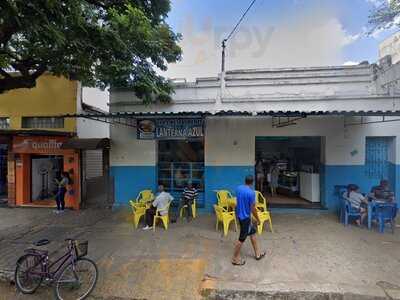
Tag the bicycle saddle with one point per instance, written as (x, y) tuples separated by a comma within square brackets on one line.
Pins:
[(41, 242)]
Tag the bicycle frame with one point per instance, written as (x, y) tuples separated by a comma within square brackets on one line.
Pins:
[(44, 259)]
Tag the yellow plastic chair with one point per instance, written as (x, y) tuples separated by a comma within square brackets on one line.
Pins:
[(261, 201), (185, 207), (225, 217), (226, 200), (145, 196), (138, 212), (163, 218), (263, 213)]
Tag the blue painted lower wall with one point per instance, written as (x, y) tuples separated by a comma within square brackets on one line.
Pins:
[(223, 177), (130, 180), (346, 174)]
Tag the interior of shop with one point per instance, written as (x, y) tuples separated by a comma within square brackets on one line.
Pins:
[(3, 171), (181, 162), (45, 169), (287, 170)]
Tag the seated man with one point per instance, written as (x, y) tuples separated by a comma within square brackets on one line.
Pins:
[(188, 196), (160, 202), (382, 192), (357, 201)]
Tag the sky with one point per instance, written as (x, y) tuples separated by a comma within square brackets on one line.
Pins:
[(275, 33)]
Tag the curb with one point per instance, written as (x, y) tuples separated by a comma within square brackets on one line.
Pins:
[(212, 294)]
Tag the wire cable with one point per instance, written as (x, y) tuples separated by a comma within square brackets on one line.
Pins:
[(240, 20)]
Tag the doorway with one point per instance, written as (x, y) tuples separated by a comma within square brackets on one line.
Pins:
[(288, 170), (45, 169), (181, 162)]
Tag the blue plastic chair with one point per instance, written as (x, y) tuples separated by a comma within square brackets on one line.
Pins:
[(342, 205), (350, 211), (386, 213), (339, 190)]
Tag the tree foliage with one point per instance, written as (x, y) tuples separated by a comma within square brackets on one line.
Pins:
[(385, 14), (99, 42)]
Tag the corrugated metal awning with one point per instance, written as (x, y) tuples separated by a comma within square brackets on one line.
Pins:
[(86, 144), (236, 113)]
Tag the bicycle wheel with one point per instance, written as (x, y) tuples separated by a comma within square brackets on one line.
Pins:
[(76, 281), (27, 274)]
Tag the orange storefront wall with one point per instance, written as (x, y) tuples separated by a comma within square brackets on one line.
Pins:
[(24, 147)]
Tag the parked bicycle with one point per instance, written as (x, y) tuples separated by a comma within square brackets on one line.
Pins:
[(73, 276)]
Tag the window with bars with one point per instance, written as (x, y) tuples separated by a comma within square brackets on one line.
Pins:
[(42, 122), (376, 157), (4, 122)]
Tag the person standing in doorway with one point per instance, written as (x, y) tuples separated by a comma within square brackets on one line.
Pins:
[(260, 175), (245, 208), (274, 178), (61, 191)]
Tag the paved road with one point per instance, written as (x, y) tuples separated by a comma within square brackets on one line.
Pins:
[(307, 252)]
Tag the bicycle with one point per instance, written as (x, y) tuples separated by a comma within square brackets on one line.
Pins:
[(70, 271)]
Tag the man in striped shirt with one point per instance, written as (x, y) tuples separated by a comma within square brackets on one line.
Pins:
[(188, 196)]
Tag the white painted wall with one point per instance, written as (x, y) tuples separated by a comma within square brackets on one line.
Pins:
[(126, 150), (231, 141), (87, 128), (363, 87), (391, 46)]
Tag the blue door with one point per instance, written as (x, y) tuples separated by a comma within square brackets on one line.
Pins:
[(377, 157)]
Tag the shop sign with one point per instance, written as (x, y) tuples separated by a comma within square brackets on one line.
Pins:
[(37, 144), (170, 129)]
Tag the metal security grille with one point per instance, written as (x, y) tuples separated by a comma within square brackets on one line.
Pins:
[(42, 122), (4, 123), (376, 157), (93, 163)]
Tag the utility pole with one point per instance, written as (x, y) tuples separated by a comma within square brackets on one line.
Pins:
[(222, 88), (223, 55)]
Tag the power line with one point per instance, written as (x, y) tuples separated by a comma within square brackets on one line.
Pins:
[(231, 33), (240, 21)]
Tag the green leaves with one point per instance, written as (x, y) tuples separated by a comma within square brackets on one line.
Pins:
[(384, 15), (102, 43)]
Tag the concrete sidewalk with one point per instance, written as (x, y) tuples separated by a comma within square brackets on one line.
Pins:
[(310, 256)]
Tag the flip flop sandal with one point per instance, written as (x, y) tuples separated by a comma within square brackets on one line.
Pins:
[(240, 263), (261, 256)]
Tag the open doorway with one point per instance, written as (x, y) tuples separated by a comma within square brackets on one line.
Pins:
[(287, 170), (181, 162), (45, 169)]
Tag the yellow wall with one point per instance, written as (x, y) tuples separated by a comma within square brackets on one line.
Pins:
[(52, 96)]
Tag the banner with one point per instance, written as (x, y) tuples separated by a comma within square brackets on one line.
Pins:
[(170, 129), (38, 144)]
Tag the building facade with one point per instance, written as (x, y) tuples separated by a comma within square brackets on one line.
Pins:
[(322, 127), (391, 46), (33, 139)]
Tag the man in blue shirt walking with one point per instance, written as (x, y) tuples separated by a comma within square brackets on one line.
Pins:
[(245, 207)]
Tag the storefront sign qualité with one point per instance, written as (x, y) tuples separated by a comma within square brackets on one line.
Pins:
[(177, 128), (38, 144)]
